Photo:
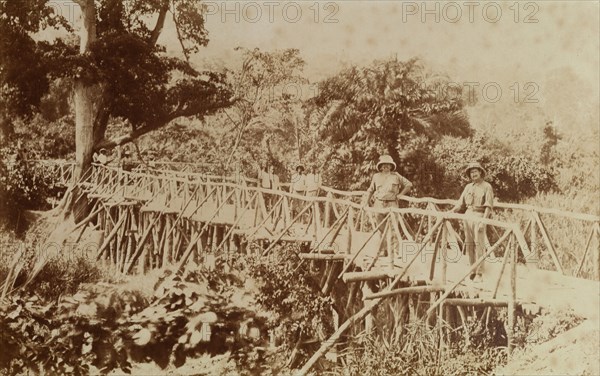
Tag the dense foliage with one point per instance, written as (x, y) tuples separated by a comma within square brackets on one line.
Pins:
[(300, 311), (514, 177), (109, 327), (23, 185), (364, 112)]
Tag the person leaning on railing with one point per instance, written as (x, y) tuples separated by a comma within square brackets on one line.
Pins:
[(477, 199), (387, 186)]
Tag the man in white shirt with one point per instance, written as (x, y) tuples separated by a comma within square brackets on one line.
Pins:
[(387, 186), (313, 182), (268, 180), (298, 187), (299, 181)]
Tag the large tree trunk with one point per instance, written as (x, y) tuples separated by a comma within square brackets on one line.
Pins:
[(85, 96), (85, 113), (88, 103)]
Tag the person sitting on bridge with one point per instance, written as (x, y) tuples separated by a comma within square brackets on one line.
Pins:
[(477, 199), (387, 186)]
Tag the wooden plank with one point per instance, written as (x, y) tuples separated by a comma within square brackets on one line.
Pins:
[(370, 275), (405, 290), (321, 256), (476, 302)]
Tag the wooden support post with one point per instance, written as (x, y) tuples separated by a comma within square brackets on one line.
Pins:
[(350, 225), (147, 228), (549, 244), (535, 249), (463, 319), (388, 240), (440, 323), (108, 239), (587, 248), (328, 209), (317, 221), (429, 224), (167, 241), (444, 252), (597, 260), (436, 250), (330, 282), (512, 299)]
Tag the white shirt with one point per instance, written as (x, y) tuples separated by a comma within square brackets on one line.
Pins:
[(313, 182), (298, 182), (268, 180)]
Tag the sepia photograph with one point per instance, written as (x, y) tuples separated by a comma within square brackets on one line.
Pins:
[(300, 187)]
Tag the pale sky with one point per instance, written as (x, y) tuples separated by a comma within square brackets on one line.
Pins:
[(471, 41), (505, 51)]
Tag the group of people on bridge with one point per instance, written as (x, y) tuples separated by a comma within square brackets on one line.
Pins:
[(385, 191), (477, 199)]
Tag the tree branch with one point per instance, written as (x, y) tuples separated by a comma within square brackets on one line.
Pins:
[(160, 22), (88, 16), (180, 38), (137, 133)]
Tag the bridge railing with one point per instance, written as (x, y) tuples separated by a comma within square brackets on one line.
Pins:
[(333, 224), (556, 240)]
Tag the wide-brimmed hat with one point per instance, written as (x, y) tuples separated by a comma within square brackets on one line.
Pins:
[(386, 159), (473, 165), (300, 167)]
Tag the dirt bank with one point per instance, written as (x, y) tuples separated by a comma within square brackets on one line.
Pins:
[(574, 352)]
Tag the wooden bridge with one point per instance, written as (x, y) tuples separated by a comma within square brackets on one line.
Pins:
[(161, 216)]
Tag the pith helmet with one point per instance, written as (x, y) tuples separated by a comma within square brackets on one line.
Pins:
[(386, 159), (473, 165)]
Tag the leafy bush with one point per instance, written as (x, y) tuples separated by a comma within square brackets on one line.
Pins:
[(514, 177), (45, 139), (109, 327), (293, 295), (22, 186)]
